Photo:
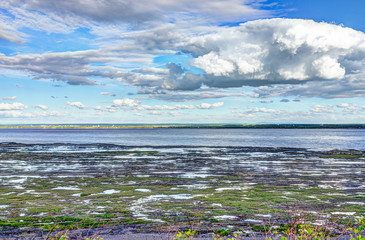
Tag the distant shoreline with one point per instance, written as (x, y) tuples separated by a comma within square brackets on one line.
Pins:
[(205, 126)]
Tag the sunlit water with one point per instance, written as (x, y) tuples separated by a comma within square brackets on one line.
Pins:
[(315, 139)]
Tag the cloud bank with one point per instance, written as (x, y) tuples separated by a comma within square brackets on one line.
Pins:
[(278, 57), (66, 16)]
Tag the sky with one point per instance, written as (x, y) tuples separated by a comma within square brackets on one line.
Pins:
[(186, 61)]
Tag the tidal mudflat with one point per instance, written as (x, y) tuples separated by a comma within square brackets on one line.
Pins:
[(152, 188)]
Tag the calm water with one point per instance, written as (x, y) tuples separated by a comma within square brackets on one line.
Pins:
[(316, 139)]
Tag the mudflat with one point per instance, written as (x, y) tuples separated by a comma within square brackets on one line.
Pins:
[(116, 190)]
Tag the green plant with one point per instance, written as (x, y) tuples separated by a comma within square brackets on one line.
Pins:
[(235, 236), (223, 232), (307, 231), (188, 234), (61, 236), (358, 232)]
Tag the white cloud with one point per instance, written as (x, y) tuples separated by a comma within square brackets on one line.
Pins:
[(108, 93), (155, 112), (210, 106), (281, 57), (126, 102), (349, 108), (322, 109), (262, 110), (43, 107), (342, 105), (275, 51), (20, 114), (211, 63), (9, 98), (286, 57), (347, 88), (179, 107), (66, 16), (9, 33), (79, 105), (106, 108), (12, 106), (164, 107)]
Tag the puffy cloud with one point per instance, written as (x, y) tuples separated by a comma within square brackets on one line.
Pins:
[(322, 109), (9, 98), (349, 108), (12, 106), (106, 108), (210, 106), (261, 110), (43, 107), (342, 105), (281, 57), (126, 102), (278, 51), (79, 105)]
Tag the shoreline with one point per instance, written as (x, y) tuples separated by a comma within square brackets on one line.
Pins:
[(183, 126)]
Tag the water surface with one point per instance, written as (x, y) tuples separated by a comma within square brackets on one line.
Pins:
[(315, 139)]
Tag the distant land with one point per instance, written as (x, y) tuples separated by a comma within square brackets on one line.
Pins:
[(153, 126)]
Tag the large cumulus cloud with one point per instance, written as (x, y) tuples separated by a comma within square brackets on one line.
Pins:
[(278, 51), (280, 57)]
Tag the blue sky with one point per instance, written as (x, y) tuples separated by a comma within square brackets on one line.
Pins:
[(216, 61)]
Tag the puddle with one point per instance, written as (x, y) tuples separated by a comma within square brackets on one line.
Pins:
[(225, 217), (142, 190), (253, 220), (344, 213), (110, 191)]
